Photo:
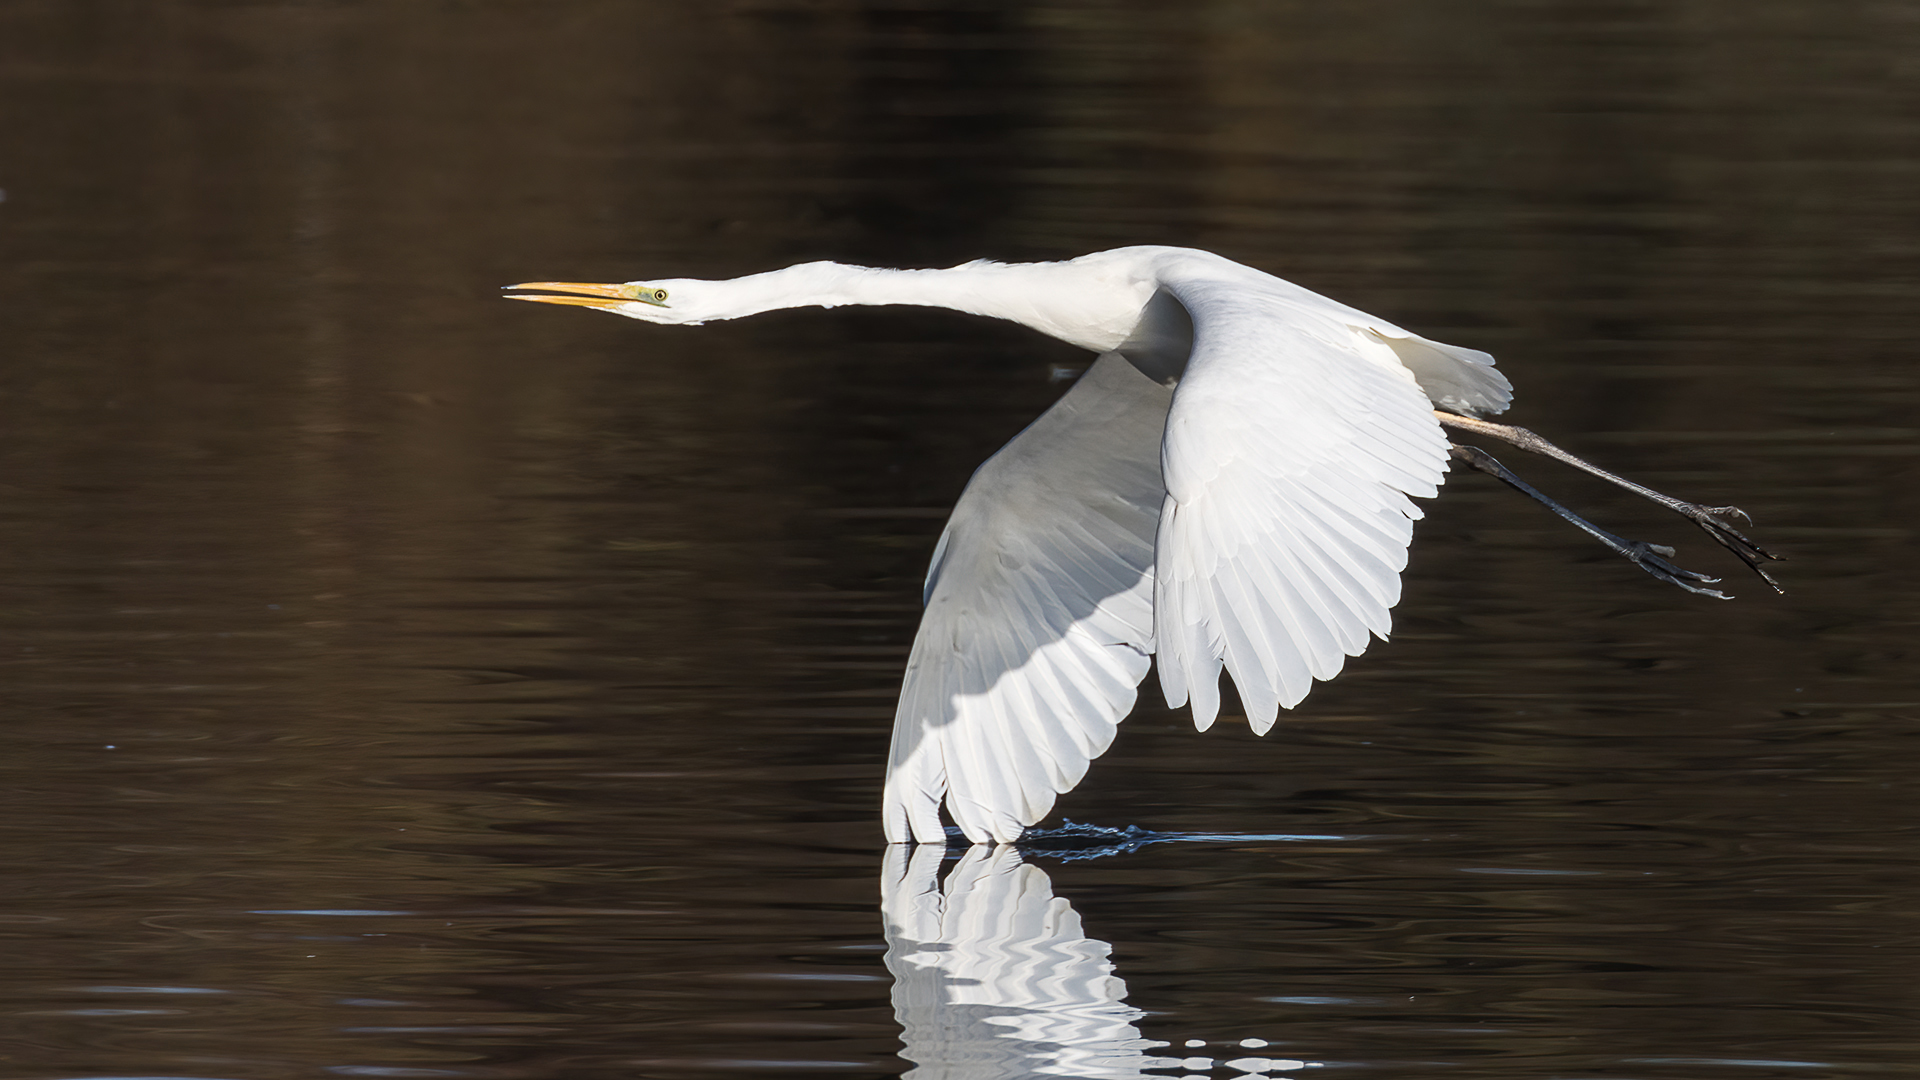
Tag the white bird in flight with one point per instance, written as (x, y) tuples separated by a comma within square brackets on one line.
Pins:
[(1230, 485)]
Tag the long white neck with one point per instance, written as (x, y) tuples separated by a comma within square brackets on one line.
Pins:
[(1085, 305)]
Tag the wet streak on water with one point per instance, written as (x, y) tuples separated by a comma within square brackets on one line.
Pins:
[(402, 683)]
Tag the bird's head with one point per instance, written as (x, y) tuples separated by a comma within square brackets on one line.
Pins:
[(675, 301)]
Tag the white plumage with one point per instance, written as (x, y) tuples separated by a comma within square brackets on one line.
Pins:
[(1229, 485), (994, 979)]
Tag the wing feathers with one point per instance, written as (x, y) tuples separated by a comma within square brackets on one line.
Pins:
[(1292, 446), (1255, 520), (1043, 587)]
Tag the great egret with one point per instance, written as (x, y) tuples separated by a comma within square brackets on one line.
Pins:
[(1230, 484)]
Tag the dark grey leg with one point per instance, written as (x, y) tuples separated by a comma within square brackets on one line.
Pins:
[(1649, 557), (1708, 518)]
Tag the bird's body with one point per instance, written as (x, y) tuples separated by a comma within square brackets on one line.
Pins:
[(1229, 484)]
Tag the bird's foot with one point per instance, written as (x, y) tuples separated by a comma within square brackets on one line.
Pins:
[(1656, 559), (1713, 520)]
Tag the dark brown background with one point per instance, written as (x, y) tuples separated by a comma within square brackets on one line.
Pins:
[(329, 583)]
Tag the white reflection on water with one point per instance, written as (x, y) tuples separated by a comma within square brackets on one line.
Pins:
[(994, 977)]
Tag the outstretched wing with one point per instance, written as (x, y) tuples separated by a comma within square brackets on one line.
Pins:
[(1294, 440), (1038, 620)]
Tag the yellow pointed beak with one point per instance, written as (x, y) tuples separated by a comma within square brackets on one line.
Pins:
[(588, 294)]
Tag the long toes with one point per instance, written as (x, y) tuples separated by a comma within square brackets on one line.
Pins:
[(1739, 545), (1676, 574), (1686, 579), (1651, 558), (1708, 518), (1744, 549)]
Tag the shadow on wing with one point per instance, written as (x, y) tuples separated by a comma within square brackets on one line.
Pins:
[(1039, 618)]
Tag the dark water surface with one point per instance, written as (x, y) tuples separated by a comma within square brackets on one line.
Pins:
[(401, 683)]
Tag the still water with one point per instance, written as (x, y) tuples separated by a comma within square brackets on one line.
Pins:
[(400, 683)]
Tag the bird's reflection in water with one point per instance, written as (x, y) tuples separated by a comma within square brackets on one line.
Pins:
[(994, 978)]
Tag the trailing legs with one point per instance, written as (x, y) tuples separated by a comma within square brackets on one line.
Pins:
[(1649, 557)]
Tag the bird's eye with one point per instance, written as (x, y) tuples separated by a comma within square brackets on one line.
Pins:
[(659, 295)]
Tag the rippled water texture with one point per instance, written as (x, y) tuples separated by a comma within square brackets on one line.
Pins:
[(402, 683)]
